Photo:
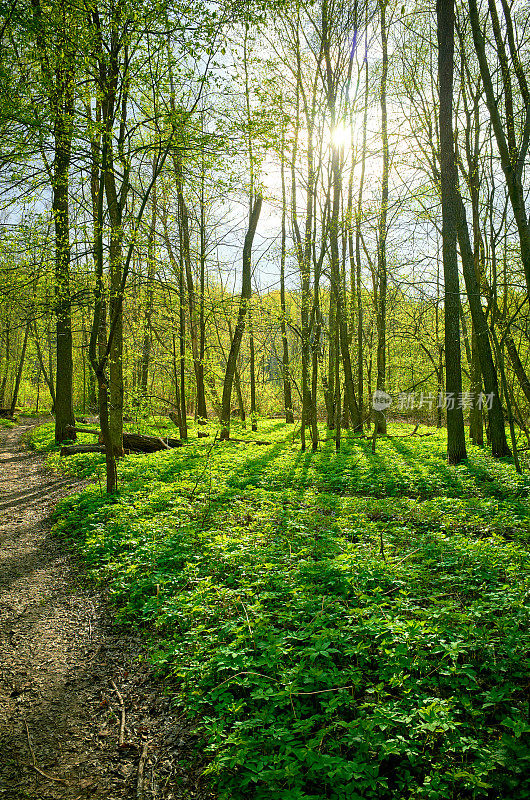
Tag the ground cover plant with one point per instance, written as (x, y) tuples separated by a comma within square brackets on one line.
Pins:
[(343, 625)]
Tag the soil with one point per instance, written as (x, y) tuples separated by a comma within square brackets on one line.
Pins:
[(65, 664)]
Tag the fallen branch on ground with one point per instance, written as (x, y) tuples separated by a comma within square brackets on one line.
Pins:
[(121, 737), (246, 441), (140, 790), (34, 762)]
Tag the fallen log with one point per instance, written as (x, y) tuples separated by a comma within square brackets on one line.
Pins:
[(70, 430), (74, 449), (136, 442)]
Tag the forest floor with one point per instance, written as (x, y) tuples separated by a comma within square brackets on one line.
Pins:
[(63, 662), (342, 625)]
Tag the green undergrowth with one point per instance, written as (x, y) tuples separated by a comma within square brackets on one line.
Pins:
[(343, 625)]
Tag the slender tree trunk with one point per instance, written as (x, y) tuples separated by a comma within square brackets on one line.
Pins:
[(202, 412), (500, 318), (64, 406), (476, 431), (358, 220), (147, 334), (112, 67), (48, 379), (497, 432), (59, 80), (116, 351), (358, 264), (330, 396), (511, 161), (379, 417), (253, 415), (98, 351), (246, 290), (304, 246), (176, 381), (286, 375), (20, 369), (517, 365), (500, 360), (456, 444), (198, 364), (316, 327), (336, 286), (182, 351), (239, 395), (5, 376), (337, 399)]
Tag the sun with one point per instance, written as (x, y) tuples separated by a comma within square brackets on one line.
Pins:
[(341, 135)]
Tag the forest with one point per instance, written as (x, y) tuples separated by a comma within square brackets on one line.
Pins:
[(264, 307)]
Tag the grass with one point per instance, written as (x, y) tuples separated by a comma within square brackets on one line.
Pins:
[(344, 625)]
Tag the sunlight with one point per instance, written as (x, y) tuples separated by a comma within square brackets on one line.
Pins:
[(341, 135)]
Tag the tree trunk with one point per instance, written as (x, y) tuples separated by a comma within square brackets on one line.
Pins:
[(246, 291), (476, 430), (177, 418), (330, 395), (5, 376), (511, 161), (48, 379), (456, 444), (147, 334), (239, 395), (336, 287), (20, 369), (182, 352), (64, 406), (480, 327), (192, 305), (379, 416), (358, 264), (59, 80), (253, 415), (202, 412), (286, 375)]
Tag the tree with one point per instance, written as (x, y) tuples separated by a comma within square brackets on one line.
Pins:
[(512, 154), (246, 292), (381, 273), (55, 42), (456, 444)]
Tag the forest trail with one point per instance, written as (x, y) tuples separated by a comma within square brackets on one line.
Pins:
[(60, 655)]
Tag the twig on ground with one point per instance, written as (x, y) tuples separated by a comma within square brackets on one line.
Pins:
[(246, 441), (34, 762), (401, 560), (140, 787), (121, 737)]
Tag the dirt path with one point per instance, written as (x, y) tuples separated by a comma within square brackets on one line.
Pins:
[(59, 656)]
